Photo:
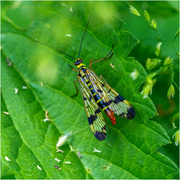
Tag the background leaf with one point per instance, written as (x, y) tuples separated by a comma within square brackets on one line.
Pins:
[(130, 148), (149, 38)]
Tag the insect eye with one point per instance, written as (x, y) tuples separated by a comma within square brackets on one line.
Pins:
[(78, 61)]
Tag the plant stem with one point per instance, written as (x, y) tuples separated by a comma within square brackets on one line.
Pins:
[(176, 85)]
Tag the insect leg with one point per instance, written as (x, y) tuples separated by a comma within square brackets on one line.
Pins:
[(108, 56), (74, 81), (72, 68), (76, 89), (101, 77)]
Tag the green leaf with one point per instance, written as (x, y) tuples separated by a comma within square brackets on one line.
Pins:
[(152, 63), (134, 10), (171, 91), (157, 50), (176, 35), (146, 15), (153, 24), (130, 147)]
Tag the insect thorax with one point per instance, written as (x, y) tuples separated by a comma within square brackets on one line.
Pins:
[(82, 71)]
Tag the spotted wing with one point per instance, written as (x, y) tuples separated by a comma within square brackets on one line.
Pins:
[(94, 115), (116, 102)]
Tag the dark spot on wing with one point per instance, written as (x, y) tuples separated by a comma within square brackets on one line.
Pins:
[(100, 135), (121, 98), (118, 99), (122, 114), (109, 102), (130, 113), (97, 111), (91, 119)]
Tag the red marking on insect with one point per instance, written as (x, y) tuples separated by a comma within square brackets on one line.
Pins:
[(110, 114)]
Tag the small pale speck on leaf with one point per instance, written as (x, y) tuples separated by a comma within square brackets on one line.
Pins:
[(68, 35), (112, 65), (46, 120), (6, 113), (95, 150), (59, 150), (58, 160), (134, 75), (39, 167), (67, 162), (71, 148), (63, 139), (16, 90), (7, 159), (24, 87)]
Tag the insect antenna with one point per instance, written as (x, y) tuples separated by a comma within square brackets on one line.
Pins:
[(83, 37), (54, 48)]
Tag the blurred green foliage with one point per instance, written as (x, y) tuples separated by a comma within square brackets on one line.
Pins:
[(167, 16), (54, 23)]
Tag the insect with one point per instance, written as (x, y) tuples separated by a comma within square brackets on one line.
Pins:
[(99, 96)]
